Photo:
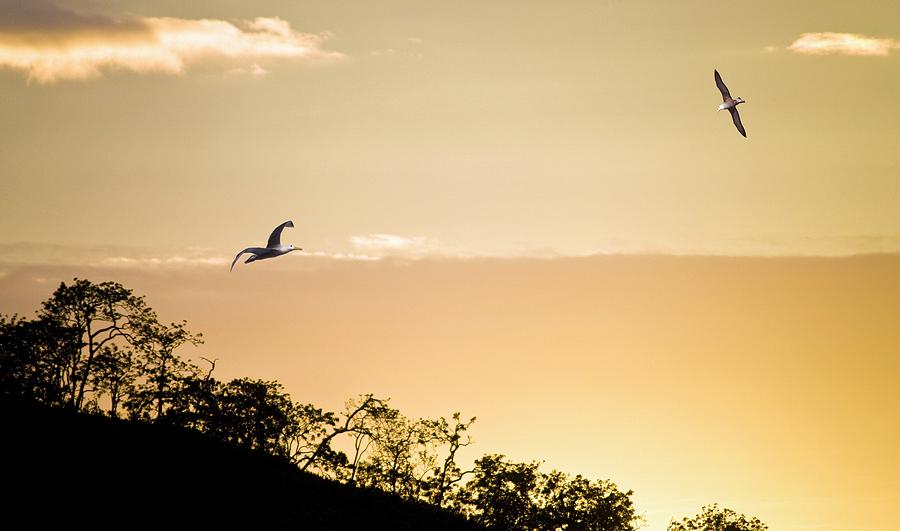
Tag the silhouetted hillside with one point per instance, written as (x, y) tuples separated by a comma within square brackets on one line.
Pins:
[(63, 467)]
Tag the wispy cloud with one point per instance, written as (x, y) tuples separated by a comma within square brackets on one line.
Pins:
[(341, 256), (394, 245), (15, 254), (120, 257), (391, 247), (167, 261), (387, 241), (50, 44), (827, 43), (253, 70)]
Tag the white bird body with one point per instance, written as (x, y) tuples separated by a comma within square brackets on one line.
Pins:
[(272, 249), (731, 104)]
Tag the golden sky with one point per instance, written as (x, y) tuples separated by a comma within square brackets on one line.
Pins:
[(491, 196), (768, 385)]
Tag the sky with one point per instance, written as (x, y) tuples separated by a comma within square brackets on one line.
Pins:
[(498, 198)]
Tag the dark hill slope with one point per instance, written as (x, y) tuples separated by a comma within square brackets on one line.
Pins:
[(64, 468)]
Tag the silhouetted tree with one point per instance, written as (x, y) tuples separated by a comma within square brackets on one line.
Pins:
[(499, 495), (98, 314), (506, 495), (310, 428), (356, 419), (160, 367), (404, 454), (714, 518), (415, 459), (115, 373), (195, 402), (448, 473), (363, 439), (579, 504), (33, 359), (253, 413)]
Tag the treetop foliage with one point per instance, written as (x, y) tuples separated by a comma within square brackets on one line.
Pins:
[(714, 518)]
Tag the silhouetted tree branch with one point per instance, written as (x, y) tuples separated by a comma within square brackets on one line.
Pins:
[(355, 420)]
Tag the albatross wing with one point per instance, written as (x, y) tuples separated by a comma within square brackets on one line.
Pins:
[(275, 238), (736, 118), (252, 250), (247, 250), (722, 88)]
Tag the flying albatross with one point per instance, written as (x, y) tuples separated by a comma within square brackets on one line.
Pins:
[(730, 104), (272, 249)]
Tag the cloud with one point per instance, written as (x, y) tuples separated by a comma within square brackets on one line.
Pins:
[(205, 259), (383, 52), (386, 241), (828, 43), (394, 245), (17, 254), (14, 256), (50, 44), (254, 71), (341, 256), (169, 261)]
